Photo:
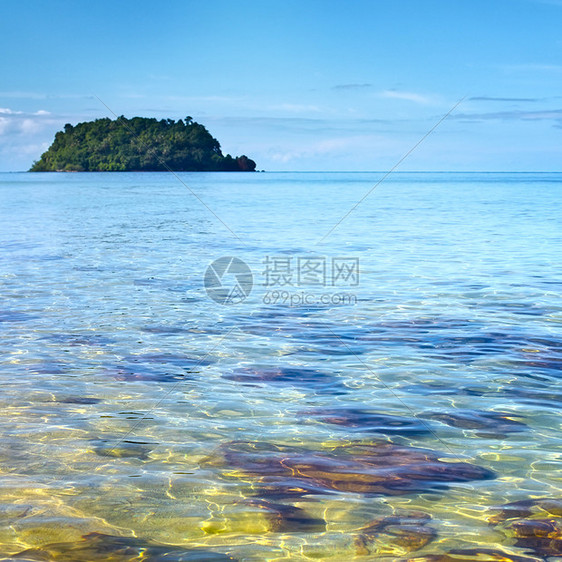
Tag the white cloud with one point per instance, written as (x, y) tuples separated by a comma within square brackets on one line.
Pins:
[(20, 123), (24, 136), (407, 96), (333, 148), (320, 148), (4, 123), (30, 126), (32, 151)]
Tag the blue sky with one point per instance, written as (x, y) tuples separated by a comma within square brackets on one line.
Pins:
[(297, 85)]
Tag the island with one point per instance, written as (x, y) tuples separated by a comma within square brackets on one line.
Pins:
[(138, 145)]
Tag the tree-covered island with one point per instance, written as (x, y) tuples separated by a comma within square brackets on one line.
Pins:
[(138, 145)]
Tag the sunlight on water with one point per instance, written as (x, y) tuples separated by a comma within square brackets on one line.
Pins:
[(407, 414)]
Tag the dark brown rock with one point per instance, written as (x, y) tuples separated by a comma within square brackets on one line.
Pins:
[(97, 547), (380, 468), (406, 530), (287, 518)]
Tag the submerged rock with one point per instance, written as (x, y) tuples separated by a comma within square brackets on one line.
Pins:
[(473, 555), (539, 536), (546, 396), (287, 518), (367, 421), (15, 316), (157, 367), (280, 491), (184, 361), (132, 373), (85, 400), (525, 522), (526, 508), (373, 469), (79, 340), (293, 376), (406, 530), (166, 330), (123, 449), (496, 423), (99, 547)]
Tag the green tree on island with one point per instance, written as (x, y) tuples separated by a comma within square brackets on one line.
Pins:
[(139, 144)]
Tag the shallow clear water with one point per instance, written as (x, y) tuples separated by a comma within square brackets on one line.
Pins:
[(133, 405)]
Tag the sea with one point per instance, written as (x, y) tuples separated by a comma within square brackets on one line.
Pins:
[(280, 366)]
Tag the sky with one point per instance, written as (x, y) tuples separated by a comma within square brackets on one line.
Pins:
[(303, 85)]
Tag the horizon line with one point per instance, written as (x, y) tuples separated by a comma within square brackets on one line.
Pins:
[(298, 172)]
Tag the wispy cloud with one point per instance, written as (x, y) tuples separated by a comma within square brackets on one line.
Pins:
[(22, 95), (41, 95), (272, 126), (406, 96), (352, 86), (544, 115), (514, 100)]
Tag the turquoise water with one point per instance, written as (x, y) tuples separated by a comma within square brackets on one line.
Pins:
[(287, 426)]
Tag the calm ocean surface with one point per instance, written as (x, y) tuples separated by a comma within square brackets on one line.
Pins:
[(389, 415)]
